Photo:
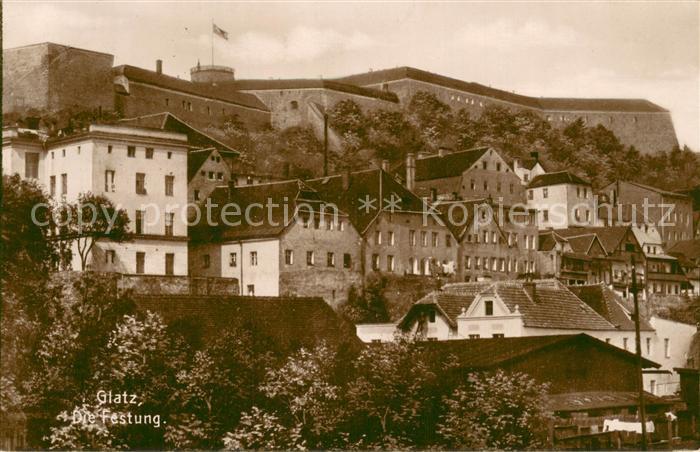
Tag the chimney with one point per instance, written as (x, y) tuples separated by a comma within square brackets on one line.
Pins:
[(346, 179), (385, 165), (531, 289), (535, 155), (516, 164), (286, 171), (443, 151), (159, 66), (410, 171)]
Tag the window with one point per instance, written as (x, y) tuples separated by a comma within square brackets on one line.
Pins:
[(196, 195), (424, 238), (545, 215), (498, 186), (149, 153), (375, 262), (467, 262), (494, 237), (511, 189), (498, 335), (431, 316), (138, 220), (169, 217), (484, 164), (210, 175), (140, 262), (220, 176), (529, 195), (109, 180), (341, 226), (545, 192), (412, 238), (472, 184), (474, 336), (435, 239), (390, 263), (448, 240), (167, 102), (109, 256), (391, 238), (251, 290), (347, 260), (64, 184), (477, 263), (624, 343), (498, 166), (310, 258), (294, 105), (233, 259), (648, 346), (330, 259), (667, 347), (652, 386), (31, 165), (253, 258), (170, 155), (486, 186), (378, 237), (130, 151), (289, 257), (63, 152), (140, 183), (52, 185), (488, 307), (169, 183), (52, 155), (169, 263)]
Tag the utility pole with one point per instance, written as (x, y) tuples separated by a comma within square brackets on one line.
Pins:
[(325, 144), (638, 344)]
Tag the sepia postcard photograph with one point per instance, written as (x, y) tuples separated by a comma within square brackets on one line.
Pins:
[(350, 225)]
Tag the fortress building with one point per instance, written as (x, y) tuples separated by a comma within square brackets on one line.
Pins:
[(51, 77)]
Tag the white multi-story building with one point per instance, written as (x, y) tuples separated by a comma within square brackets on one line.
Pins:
[(562, 199), (142, 171)]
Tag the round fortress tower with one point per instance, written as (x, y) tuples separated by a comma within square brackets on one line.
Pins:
[(211, 74)]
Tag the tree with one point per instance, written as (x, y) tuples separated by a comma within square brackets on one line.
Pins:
[(372, 305), (495, 411), (432, 118), (260, 430), (392, 397), (92, 218)]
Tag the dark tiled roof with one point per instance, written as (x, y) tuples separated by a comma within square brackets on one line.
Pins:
[(372, 184), (595, 400), (450, 165), (199, 89), (582, 244), (547, 240), (449, 304), (561, 177), (168, 121), (609, 236), (554, 306), (289, 322), (291, 84), (494, 352), (263, 222), (608, 304), (661, 191), (690, 249), (541, 103)]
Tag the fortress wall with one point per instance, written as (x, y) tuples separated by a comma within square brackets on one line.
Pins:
[(53, 77), (147, 99)]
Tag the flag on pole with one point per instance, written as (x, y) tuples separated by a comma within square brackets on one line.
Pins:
[(218, 31)]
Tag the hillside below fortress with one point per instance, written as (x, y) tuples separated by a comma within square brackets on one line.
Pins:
[(52, 77)]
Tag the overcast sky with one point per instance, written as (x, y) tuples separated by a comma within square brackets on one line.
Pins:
[(590, 49)]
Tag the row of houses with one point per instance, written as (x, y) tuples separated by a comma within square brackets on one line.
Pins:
[(462, 216)]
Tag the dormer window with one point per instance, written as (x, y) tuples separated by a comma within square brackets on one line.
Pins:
[(488, 307), (431, 316)]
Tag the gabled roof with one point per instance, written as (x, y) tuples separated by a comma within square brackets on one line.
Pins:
[(547, 240), (449, 304), (609, 305), (489, 353), (558, 178), (543, 103), (554, 306), (286, 84), (374, 185), (653, 189), (279, 201), (459, 215), (595, 400), (449, 165), (289, 322), (610, 236), (168, 121), (216, 92), (195, 160)]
